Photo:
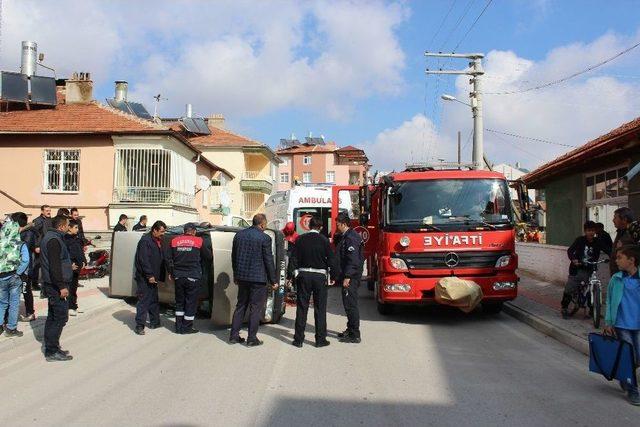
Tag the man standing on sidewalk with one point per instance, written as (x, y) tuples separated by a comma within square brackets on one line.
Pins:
[(150, 270), (75, 215), (622, 218), (253, 270), (57, 274), (184, 263), (14, 262), (76, 252)]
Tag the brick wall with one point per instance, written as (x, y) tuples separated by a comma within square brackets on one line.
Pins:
[(550, 262)]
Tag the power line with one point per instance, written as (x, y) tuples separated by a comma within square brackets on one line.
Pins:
[(529, 138), (569, 77), (455, 27), (453, 3), (472, 25)]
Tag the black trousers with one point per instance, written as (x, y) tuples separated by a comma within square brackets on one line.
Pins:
[(73, 292), (309, 284), (187, 291), (148, 303), (350, 302), (252, 296), (27, 293), (56, 319)]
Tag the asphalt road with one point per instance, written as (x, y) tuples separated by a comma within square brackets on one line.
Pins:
[(419, 367)]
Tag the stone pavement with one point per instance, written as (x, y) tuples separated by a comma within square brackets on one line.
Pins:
[(538, 305)]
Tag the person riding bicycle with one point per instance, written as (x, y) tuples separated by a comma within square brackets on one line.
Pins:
[(585, 248)]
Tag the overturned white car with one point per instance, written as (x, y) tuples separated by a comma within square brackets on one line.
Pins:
[(218, 293)]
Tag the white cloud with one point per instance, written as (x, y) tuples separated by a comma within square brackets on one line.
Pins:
[(410, 142), (240, 57), (571, 113)]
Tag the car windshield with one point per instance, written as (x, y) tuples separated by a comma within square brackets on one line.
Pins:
[(437, 204)]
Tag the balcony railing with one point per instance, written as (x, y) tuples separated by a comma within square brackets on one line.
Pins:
[(256, 181), (162, 196)]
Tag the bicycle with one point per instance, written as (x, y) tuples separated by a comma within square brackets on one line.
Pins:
[(589, 295)]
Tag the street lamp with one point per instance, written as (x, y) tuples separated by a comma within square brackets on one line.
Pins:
[(453, 98), (476, 110)]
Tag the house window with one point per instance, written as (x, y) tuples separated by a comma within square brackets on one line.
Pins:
[(284, 177), (306, 177), (62, 170), (330, 177), (607, 184), (252, 203), (306, 160), (285, 161)]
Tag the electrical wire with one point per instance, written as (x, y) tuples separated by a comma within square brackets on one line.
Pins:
[(514, 135), (472, 25), (569, 77), (453, 3), (455, 27)]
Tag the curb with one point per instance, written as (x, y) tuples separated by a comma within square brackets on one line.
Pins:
[(565, 337)]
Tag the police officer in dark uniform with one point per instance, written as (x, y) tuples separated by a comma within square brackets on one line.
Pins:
[(311, 262), (350, 253), (150, 270), (184, 264)]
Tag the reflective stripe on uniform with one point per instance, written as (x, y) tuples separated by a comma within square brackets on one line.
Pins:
[(179, 313), (189, 317), (312, 270)]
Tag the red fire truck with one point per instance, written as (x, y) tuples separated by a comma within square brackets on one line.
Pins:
[(424, 224)]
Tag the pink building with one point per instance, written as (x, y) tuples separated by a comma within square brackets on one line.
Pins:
[(104, 161), (319, 163)]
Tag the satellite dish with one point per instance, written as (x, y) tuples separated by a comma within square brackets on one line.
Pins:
[(204, 182)]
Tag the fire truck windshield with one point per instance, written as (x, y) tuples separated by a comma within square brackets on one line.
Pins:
[(449, 204)]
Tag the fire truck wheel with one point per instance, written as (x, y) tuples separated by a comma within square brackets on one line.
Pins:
[(385, 309), (492, 307)]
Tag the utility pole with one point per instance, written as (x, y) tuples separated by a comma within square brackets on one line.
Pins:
[(459, 148), (475, 96)]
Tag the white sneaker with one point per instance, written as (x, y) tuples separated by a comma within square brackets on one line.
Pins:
[(73, 313)]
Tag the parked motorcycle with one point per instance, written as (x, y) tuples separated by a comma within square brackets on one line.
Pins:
[(99, 260)]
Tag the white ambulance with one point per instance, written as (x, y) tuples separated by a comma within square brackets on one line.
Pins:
[(300, 203)]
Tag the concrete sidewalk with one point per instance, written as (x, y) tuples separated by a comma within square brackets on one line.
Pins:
[(538, 305)]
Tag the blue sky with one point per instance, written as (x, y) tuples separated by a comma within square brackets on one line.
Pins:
[(352, 70)]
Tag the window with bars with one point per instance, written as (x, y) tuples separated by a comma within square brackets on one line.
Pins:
[(62, 170)]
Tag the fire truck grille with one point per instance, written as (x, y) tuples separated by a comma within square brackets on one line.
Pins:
[(438, 260)]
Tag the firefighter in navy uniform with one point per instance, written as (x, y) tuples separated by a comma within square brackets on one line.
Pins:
[(311, 262), (350, 253), (184, 265)]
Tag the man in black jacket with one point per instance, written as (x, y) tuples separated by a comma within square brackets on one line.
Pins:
[(57, 274), (186, 254), (76, 252), (584, 249), (622, 219), (141, 225), (311, 262), (75, 215), (253, 270), (122, 223), (351, 255), (41, 225), (150, 270)]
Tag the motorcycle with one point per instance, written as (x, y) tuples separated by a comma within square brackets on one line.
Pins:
[(98, 265)]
